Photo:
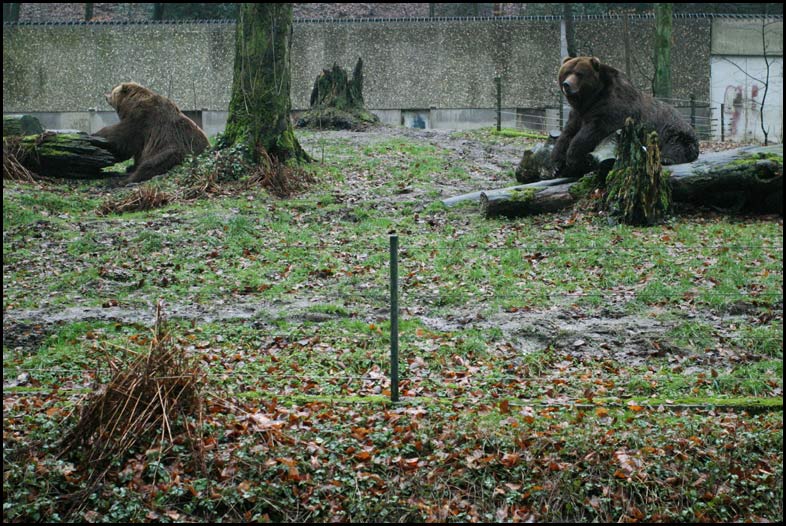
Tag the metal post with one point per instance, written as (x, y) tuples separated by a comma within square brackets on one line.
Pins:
[(693, 110), (498, 82), (723, 123), (561, 109), (394, 318)]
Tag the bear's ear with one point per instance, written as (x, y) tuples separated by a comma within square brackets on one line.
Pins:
[(567, 58), (595, 63)]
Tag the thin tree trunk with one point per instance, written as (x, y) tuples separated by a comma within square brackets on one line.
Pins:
[(661, 86)]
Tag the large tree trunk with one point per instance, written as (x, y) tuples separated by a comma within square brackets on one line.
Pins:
[(260, 105), (744, 179)]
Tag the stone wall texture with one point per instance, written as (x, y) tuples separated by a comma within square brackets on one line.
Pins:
[(408, 64)]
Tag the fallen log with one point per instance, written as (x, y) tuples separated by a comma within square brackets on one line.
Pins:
[(475, 196), (746, 179), (520, 202), (65, 154)]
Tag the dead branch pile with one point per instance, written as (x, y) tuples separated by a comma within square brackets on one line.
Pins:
[(142, 198), (13, 169), (148, 400)]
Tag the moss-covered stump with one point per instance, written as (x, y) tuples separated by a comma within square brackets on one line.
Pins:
[(638, 191), (65, 155), (20, 125), (337, 101)]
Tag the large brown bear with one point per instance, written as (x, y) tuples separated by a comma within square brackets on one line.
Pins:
[(152, 130), (601, 98)]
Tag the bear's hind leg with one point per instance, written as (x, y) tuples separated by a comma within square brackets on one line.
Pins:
[(158, 164)]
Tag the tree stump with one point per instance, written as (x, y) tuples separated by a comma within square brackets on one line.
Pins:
[(337, 101), (638, 193), (21, 125)]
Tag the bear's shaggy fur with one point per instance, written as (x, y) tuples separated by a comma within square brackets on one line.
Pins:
[(152, 130), (601, 98)]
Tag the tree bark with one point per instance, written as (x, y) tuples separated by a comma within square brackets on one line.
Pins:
[(260, 104)]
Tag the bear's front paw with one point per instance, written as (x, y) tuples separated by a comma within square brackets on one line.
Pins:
[(120, 181)]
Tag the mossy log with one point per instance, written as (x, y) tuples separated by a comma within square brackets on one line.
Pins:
[(72, 155), (527, 201), (748, 179), (496, 194)]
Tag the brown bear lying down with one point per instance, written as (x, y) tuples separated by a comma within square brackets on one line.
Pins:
[(152, 130), (601, 98)]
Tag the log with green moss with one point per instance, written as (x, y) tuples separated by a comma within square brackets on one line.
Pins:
[(747, 179), (71, 155), (526, 201), (337, 101)]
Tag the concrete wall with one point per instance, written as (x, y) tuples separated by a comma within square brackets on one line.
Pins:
[(424, 64), (690, 65), (58, 68), (444, 67)]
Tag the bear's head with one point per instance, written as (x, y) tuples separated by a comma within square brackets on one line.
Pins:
[(580, 78), (127, 95)]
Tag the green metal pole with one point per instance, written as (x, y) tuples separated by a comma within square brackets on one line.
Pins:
[(498, 82), (394, 318)]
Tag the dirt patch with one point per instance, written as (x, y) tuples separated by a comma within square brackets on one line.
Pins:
[(488, 164)]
